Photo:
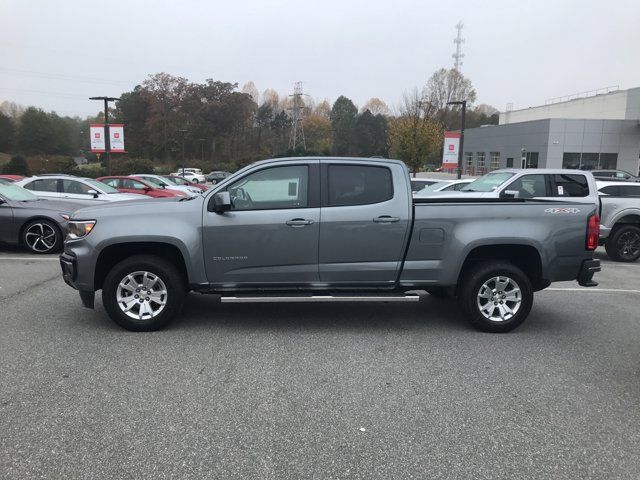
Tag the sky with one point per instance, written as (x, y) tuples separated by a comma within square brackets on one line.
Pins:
[(56, 54)]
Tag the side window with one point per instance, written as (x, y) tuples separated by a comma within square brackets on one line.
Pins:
[(358, 185), (74, 187), (43, 185), (570, 186), (610, 190), (529, 186), (271, 188), (132, 184), (449, 188), (458, 186), (629, 190), (112, 182)]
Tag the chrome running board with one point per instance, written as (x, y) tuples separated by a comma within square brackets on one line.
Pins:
[(320, 298)]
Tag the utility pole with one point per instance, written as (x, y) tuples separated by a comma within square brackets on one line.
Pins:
[(183, 132), (297, 131), (463, 104), (458, 55), (107, 137)]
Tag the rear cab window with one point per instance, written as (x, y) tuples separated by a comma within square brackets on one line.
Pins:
[(358, 185), (569, 185)]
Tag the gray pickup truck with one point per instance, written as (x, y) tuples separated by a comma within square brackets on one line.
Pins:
[(328, 229), (620, 220)]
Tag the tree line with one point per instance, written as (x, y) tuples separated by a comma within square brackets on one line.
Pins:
[(215, 124)]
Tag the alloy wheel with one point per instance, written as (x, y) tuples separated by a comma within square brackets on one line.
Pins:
[(629, 245), (41, 237), (499, 299), (141, 295)]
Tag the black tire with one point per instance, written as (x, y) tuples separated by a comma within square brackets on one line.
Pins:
[(438, 292), (167, 272), (623, 245), (41, 236), (474, 280)]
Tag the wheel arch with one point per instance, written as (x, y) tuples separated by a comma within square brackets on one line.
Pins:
[(117, 252)]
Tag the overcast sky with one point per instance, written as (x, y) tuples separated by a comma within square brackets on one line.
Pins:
[(55, 54)]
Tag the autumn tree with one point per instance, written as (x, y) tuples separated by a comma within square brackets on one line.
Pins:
[(7, 133), (376, 107)]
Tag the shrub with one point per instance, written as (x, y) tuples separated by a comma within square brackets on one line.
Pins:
[(127, 166), (16, 166), (51, 164), (92, 170)]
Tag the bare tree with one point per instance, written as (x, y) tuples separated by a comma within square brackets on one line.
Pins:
[(376, 107)]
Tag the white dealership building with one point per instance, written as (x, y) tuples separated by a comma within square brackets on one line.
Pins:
[(593, 130)]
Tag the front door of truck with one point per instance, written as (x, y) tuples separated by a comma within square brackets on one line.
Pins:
[(366, 212), (269, 238)]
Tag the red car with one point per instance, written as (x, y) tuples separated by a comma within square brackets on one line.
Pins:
[(11, 178), (137, 185), (185, 183)]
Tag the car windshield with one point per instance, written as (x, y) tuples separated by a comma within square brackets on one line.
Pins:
[(434, 187), (101, 187), (178, 180), (487, 183), (16, 193)]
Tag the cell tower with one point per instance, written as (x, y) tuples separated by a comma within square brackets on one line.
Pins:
[(458, 56), (297, 109)]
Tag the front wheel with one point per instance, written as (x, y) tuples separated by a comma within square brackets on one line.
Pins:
[(623, 245), (496, 296), (143, 293), (41, 236)]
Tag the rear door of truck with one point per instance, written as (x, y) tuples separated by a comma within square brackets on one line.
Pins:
[(364, 221)]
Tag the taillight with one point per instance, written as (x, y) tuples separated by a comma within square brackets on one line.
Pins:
[(593, 232)]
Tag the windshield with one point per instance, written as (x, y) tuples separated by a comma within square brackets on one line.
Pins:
[(16, 193), (178, 180), (101, 187), (487, 183), (434, 187)]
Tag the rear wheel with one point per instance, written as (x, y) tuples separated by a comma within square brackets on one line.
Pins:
[(143, 293), (623, 245), (496, 296), (41, 236)]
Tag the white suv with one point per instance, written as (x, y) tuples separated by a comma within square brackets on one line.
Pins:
[(192, 174), (74, 189)]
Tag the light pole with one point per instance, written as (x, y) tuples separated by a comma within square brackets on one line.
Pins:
[(107, 138), (183, 132), (463, 103), (523, 158)]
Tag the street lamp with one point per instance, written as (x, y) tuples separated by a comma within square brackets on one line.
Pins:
[(523, 158), (107, 138), (183, 132), (462, 103)]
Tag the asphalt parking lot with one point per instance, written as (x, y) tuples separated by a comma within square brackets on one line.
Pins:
[(324, 391)]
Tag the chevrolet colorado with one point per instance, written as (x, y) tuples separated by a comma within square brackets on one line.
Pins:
[(329, 229)]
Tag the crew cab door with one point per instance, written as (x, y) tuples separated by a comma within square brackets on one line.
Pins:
[(269, 238), (366, 211)]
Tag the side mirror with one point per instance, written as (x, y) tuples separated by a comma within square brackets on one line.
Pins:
[(510, 194), (94, 193), (220, 203)]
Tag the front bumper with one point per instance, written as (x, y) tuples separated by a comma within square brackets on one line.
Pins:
[(587, 270), (69, 269)]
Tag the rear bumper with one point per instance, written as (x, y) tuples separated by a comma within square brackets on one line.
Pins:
[(587, 270)]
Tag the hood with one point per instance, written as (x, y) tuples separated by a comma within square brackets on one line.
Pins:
[(146, 206)]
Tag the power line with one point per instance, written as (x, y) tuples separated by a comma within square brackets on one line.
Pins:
[(57, 76)]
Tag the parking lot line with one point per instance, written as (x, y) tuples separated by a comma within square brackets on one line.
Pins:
[(600, 290)]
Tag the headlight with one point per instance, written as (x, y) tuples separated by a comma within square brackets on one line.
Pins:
[(78, 229), (66, 217)]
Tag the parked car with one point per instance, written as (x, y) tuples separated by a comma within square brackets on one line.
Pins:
[(168, 183), (192, 174), (74, 189), (268, 230), (186, 183), (620, 220), (139, 186), (418, 184), (617, 175), (217, 176), (11, 178), (444, 186), (4, 181), (37, 224)]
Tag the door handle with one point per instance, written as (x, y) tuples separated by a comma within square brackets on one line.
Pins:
[(298, 222), (386, 219)]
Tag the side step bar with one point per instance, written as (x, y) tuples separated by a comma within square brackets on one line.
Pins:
[(320, 298)]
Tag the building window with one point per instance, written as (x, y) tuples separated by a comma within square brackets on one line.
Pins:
[(510, 162), (495, 160), (468, 162), (590, 161), (531, 160), (480, 163)]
